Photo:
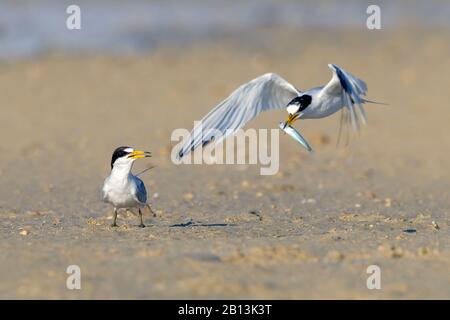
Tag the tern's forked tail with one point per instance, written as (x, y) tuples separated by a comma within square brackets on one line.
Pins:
[(374, 102)]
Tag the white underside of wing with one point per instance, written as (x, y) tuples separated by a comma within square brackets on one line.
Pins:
[(266, 92)]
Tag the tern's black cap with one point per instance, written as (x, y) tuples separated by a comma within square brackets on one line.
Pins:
[(302, 101), (119, 153)]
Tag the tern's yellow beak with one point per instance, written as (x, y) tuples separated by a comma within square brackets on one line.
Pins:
[(291, 118), (138, 154)]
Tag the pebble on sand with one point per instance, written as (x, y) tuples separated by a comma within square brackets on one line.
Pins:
[(387, 202), (188, 196), (335, 256), (396, 252), (435, 225), (310, 200)]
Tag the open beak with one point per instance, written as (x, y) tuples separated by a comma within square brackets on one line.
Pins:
[(290, 120), (138, 154)]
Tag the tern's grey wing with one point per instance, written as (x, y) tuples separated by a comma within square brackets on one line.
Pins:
[(351, 89), (141, 192), (266, 92)]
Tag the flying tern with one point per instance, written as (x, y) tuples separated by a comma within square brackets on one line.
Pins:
[(270, 91)]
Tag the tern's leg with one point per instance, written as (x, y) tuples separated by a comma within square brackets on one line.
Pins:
[(114, 224), (142, 225), (151, 211)]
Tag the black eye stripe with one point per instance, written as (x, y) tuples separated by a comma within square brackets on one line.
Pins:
[(118, 153), (303, 101), (306, 101)]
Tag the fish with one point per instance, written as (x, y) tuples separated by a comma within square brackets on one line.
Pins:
[(287, 128)]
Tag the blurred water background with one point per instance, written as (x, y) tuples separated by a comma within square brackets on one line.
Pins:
[(34, 27)]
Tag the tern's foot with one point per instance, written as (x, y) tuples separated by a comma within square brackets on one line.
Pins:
[(142, 225), (114, 225)]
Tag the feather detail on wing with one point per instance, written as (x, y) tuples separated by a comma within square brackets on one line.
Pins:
[(266, 92), (141, 192), (351, 90)]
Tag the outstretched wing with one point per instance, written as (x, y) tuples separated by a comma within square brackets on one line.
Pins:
[(351, 89), (141, 192), (266, 92)]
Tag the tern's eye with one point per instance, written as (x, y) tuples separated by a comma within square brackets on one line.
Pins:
[(120, 153)]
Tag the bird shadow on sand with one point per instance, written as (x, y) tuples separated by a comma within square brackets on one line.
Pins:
[(196, 224)]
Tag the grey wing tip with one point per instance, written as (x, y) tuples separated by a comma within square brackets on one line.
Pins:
[(184, 151)]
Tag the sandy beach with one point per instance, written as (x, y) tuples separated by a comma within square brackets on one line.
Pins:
[(308, 232)]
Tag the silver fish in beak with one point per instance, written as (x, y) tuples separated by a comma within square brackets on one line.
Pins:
[(287, 128)]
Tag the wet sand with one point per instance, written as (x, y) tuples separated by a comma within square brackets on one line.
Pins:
[(309, 231)]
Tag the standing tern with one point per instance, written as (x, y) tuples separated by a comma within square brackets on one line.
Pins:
[(122, 189), (270, 91)]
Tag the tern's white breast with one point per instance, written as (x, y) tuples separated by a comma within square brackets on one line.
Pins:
[(120, 193)]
